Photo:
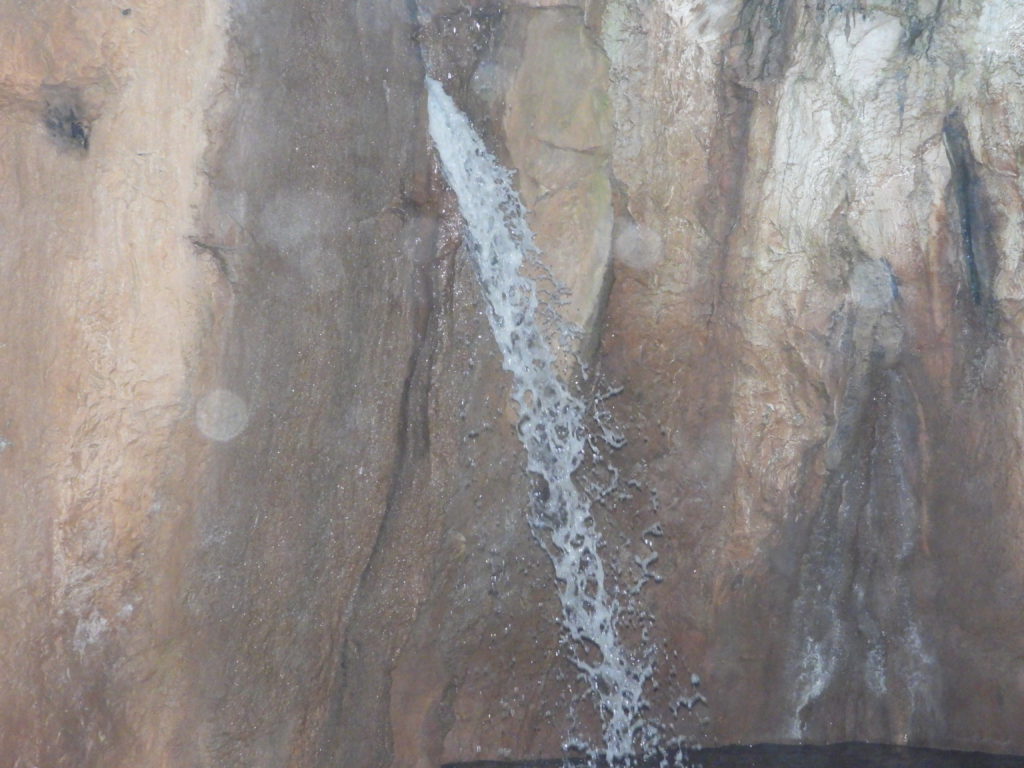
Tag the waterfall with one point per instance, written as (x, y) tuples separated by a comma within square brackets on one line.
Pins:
[(551, 426)]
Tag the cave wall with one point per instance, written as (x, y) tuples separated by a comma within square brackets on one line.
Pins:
[(103, 321), (261, 493), (835, 328)]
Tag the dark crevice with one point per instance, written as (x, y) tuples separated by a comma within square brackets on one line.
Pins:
[(758, 55), (364, 663), (65, 120), (590, 349), (972, 208), (762, 40), (919, 30), (366, 588), (218, 254), (720, 211)]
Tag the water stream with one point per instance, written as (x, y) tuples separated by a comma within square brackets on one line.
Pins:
[(551, 429)]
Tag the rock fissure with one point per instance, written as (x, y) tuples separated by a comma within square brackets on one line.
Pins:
[(968, 194)]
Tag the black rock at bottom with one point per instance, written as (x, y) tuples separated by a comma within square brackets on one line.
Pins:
[(849, 755)]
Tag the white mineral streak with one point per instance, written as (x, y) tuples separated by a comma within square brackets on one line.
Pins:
[(551, 424)]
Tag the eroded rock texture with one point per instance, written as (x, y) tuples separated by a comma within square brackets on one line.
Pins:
[(105, 306), (837, 335), (261, 496)]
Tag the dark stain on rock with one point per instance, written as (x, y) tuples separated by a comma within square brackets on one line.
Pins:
[(972, 207), (751, 66), (758, 54), (218, 254), (919, 32), (856, 637), (64, 119), (761, 40), (857, 630)]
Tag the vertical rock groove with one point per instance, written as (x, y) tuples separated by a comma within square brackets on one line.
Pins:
[(386, 599), (969, 194)]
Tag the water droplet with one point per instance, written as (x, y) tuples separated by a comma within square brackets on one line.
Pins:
[(221, 415)]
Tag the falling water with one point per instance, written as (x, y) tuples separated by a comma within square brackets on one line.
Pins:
[(551, 426)]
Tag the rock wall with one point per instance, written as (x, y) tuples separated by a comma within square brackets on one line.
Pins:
[(260, 489), (104, 318), (832, 319)]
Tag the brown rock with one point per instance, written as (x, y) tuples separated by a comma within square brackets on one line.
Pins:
[(261, 494)]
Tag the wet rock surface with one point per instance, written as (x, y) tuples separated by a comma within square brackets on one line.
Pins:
[(261, 495)]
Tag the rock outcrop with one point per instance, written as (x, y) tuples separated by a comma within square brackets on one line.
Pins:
[(261, 495)]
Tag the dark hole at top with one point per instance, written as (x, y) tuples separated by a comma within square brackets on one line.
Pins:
[(66, 125)]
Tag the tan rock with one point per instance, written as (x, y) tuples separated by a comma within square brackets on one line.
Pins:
[(558, 122)]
